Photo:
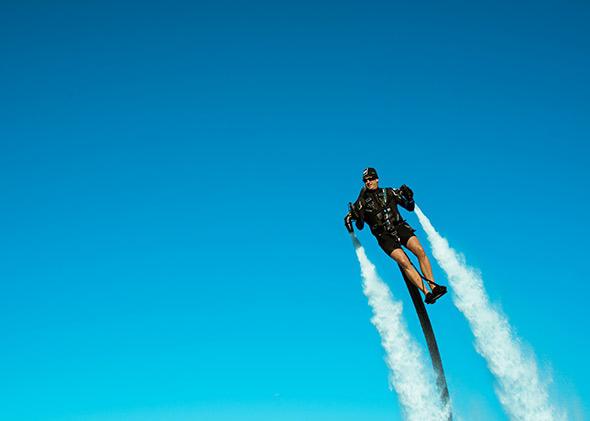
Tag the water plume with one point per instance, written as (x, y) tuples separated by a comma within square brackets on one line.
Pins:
[(408, 375), (519, 386)]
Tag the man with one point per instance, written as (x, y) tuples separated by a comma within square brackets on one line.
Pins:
[(378, 208)]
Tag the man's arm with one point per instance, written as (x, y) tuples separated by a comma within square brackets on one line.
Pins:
[(348, 221), (355, 213)]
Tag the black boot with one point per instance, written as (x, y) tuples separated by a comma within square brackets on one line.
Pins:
[(437, 292)]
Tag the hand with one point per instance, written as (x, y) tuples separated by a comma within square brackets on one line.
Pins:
[(360, 223), (407, 192)]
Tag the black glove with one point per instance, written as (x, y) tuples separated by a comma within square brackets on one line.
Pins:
[(407, 192), (358, 215), (360, 223), (348, 222)]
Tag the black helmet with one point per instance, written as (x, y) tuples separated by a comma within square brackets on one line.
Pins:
[(369, 173)]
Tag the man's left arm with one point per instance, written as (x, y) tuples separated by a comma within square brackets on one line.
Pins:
[(405, 197)]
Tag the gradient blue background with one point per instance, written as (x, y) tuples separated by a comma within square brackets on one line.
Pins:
[(173, 178)]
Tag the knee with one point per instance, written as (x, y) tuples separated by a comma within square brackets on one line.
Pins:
[(406, 266), (420, 253), (404, 263)]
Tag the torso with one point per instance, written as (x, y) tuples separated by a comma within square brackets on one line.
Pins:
[(380, 209)]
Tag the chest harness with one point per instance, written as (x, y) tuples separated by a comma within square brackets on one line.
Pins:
[(386, 218)]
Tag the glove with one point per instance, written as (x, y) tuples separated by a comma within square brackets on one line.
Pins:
[(360, 223), (407, 192), (348, 222)]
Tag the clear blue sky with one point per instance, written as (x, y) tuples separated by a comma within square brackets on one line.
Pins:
[(174, 175)]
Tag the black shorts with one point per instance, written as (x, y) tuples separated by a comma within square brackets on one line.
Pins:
[(390, 241)]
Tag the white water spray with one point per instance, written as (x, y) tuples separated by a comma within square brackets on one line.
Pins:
[(408, 376), (519, 387)]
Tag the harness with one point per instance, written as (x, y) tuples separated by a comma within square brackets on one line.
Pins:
[(384, 223)]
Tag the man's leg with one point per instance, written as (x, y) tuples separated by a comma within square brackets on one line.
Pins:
[(401, 259), (415, 247)]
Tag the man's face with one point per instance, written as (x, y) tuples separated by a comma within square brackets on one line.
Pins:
[(371, 183)]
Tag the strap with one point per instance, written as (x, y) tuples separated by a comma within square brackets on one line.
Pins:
[(421, 276), (420, 273)]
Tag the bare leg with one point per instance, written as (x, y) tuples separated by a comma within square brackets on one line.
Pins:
[(415, 247), (401, 259)]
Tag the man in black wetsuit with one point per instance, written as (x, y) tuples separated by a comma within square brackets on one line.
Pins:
[(378, 208)]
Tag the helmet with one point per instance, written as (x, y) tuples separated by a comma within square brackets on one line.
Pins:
[(369, 173)]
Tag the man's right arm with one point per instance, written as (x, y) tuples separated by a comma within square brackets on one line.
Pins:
[(348, 222), (355, 213)]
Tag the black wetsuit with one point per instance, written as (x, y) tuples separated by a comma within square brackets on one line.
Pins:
[(378, 208)]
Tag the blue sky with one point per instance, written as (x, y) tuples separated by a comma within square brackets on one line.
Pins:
[(174, 178)]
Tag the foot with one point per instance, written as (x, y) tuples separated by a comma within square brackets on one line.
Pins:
[(438, 292)]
